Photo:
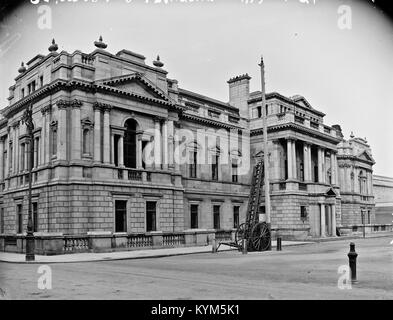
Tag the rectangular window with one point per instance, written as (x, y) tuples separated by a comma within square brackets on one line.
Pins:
[(259, 112), (54, 141), (19, 218), (10, 158), (22, 157), (236, 210), (151, 208), (193, 164), (41, 81), (215, 167), (120, 216), (29, 88), (267, 110), (216, 217), (303, 212), (35, 216), (234, 171), (22, 92), (1, 220), (194, 216), (33, 86)]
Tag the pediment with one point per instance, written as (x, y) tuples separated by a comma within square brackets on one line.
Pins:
[(366, 156), (137, 84), (330, 192), (302, 101)]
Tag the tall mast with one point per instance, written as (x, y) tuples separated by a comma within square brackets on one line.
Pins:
[(265, 150)]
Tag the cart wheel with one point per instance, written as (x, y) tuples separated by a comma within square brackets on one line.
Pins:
[(260, 237), (239, 235)]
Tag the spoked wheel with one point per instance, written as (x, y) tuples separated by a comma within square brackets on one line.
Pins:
[(239, 235), (260, 237)]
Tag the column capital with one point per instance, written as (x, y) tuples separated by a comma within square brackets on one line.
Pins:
[(76, 103), (99, 106), (159, 119), (46, 109), (62, 104)]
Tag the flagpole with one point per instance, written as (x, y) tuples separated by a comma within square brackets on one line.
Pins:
[(265, 152)]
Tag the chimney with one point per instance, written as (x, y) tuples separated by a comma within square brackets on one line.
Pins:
[(239, 92)]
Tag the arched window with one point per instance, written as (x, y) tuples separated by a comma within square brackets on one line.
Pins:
[(130, 143)]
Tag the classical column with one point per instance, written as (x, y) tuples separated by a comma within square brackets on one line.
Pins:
[(289, 159), (306, 161), (1, 159), (333, 211), (16, 148), (106, 146), (157, 144), (112, 148), (62, 130), (333, 167), (356, 186), (139, 151), (320, 165), (46, 149), (165, 145), (310, 168), (97, 132), (170, 144), (176, 151), (43, 137), (76, 142), (323, 222), (26, 156), (371, 191), (328, 214), (120, 150), (7, 163), (294, 160), (35, 164)]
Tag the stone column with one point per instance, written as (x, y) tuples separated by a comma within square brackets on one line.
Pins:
[(139, 151), (356, 181), (106, 147), (170, 144), (120, 150), (16, 149), (320, 165), (371, 190), (294, 160), (306, 164), (97, 132), (289, 159), (1, 159), (157, 144), (26, 156), (310, 168), (46, 149), (333, 210), (176, 151), (165, 145), (43, 137), (35, 164), (76, 142), (112, 148), (7, 163), (62, 130), (323, 224), (328, 215)]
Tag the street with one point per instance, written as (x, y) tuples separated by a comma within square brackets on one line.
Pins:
[(299, 272)]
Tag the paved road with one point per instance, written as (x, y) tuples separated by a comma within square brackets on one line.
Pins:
[(300, 272)]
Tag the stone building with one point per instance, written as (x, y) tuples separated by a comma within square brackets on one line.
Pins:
[(120, 148), (383, 193)]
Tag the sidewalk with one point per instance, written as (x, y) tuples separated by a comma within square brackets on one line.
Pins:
[(123, 255), (350, 237)]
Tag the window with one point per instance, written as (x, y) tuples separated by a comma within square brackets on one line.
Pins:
[(36, 152), (22, 156), (193, 164), (86, 141), (234, 171), (267, 109), (4, 163), (33, 86), (54, 141), (35, 216), (22, 92), (41, 81), (236, 210), (216, 217), (29, 88), (259, 111), (10, 157), (151, 207), (303, 213), (214, 167), (19, 218), (2, 220), (194, 216), (120, 216), (213, 114)]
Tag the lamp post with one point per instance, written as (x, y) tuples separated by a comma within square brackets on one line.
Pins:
[(27, 119), (265, 152)]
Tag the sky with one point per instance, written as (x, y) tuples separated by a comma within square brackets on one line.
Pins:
[(347, 73)]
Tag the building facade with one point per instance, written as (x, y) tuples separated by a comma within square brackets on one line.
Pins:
[(120, 148)]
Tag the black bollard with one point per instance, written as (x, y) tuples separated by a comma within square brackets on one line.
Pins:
[(244, 246), (278, 244), (352, 255), (214, 246)]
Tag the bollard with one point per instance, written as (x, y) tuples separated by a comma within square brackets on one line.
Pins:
[(244, 246), (352, 255), (278, 244), (214, 246)]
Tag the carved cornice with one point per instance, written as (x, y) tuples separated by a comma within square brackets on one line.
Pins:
[(76, 103), (46, 109), (62, 104)]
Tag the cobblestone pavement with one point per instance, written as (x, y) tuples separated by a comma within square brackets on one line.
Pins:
[(298, 272)]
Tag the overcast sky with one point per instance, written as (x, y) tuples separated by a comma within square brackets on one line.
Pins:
[(347, 74)]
